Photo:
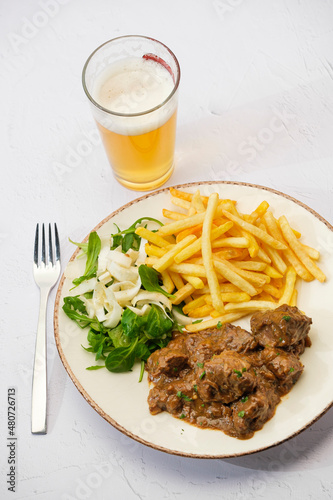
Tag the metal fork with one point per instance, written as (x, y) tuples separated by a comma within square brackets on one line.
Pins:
[(46, 270)]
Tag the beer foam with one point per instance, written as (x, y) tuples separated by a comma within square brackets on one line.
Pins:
[(131, 86)]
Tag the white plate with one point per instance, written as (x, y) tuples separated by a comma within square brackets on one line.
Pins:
[(122, 401)]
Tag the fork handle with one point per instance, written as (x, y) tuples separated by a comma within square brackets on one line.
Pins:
[(39, 378)]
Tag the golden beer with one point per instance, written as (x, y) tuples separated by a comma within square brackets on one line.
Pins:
[(144, 159), (135, 106)]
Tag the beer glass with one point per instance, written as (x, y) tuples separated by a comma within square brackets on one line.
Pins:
[(132, 84)]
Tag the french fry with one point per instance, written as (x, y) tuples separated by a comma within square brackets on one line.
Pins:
[(312, 252), (167, 281), (251, 305), (154, 251), (274, 230), (200, 312), (272, 290), (233, 277), (182, 294), (272, 272), (167, 259), (185, 196), (151, 237), (262, 255), (196, 282), (299, 251), (180, 202), (276, 259), (251, 265), (196, 230), (253, 245), (176, 279), (231, 297), (206, 251), (190, 269), (196, 246), (198, 302), (224, 288), (258, 233), (290, 280), (234, 242), (258, 212), (178, 225), (216, 322), (293, 300), (256, 279), (169, 214), (229, 253), (197, 202)]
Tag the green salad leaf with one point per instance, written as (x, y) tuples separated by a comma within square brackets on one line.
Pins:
[(92, 251), (150, 280), (127, 238)]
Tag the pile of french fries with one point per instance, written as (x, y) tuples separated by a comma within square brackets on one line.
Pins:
[(223, 264)]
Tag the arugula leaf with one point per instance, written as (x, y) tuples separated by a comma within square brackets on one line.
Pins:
[(93, 249), (130, 240), (88, 276), (127, 238), (149, 280), (83, 246), (76, 311)]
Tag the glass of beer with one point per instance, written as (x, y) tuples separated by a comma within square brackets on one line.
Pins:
[(132, 84)]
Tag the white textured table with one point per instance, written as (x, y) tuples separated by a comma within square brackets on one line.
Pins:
[(255, 106)]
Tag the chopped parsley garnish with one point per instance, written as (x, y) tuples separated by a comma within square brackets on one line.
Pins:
[(182, 415), (183, 396), (195, 387), (200, 365), (241, 414), (240, 373), (219, 324), (244, 399), (286, 318), (292, 369), (202, 375)]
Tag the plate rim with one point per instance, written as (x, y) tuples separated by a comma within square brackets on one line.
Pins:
[(91, 401)]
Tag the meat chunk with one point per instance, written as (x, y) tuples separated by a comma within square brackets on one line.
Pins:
[(168, 361), (201, 347), (284, 326), (237, 339), (285, 366), (170, 396), (251, 412), (225, 378)]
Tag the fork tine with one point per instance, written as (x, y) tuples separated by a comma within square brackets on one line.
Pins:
[(43, 259), (36, 245), (50, 246), (57, 243)]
